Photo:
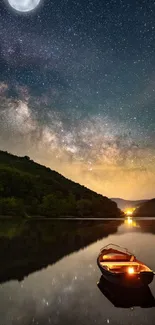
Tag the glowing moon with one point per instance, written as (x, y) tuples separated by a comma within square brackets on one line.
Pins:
[(24, 5)]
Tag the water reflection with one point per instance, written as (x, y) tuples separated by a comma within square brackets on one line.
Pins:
[(26, 247), (126, 297), (65, 292), (130, 222), (31, 246)]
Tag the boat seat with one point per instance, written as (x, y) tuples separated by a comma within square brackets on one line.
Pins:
[(119, 263), (132, 258)]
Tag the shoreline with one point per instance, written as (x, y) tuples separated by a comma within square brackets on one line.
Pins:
[(42, 218)]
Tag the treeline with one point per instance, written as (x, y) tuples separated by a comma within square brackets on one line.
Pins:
[(27, 188), (147, 209)]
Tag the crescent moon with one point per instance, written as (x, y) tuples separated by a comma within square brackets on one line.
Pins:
[(23, 5)]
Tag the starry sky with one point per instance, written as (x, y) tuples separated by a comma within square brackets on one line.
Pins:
[(77, 91)]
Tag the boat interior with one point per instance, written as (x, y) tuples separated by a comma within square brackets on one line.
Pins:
[(118, 262), (130, 268)]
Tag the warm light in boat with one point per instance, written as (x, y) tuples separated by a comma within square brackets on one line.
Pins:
[(131, 270), (105, 257)]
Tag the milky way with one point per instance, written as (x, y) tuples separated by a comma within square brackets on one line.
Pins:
[(77, 91)]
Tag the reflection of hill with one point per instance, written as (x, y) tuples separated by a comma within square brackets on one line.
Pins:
[(144, 225), (147, 226), (147, 209), (28, 247)]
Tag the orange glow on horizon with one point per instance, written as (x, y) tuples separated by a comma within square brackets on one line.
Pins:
[(129, 211)]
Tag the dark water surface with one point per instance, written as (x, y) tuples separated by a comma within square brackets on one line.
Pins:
[(49, 274)]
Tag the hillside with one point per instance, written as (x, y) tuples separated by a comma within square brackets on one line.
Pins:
[(124, 204), (147, 209), (27, 188)]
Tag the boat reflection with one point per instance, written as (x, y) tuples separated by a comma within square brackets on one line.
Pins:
[(126, 297)]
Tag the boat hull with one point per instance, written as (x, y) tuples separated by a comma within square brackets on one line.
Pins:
[(123, 279)]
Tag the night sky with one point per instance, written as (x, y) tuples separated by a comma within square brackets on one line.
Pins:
[(77, 91)]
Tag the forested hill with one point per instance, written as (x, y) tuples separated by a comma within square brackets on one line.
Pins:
[(27, 188), (124, 204), (147, 209)]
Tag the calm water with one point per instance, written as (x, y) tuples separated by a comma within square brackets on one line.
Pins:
[(52, 279)]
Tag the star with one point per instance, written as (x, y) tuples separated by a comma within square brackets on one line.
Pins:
[(77, 92)]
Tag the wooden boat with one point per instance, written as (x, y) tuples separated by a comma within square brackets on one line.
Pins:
[(121, 267)]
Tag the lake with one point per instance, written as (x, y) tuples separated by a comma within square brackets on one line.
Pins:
[(49, 273)]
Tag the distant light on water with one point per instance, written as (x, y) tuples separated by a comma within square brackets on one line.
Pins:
[(129, 221)]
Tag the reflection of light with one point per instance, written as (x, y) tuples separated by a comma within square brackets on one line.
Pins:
[(129, 221), (131, 270)]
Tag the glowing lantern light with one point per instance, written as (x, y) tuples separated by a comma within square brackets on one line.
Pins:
[(131, 270)]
